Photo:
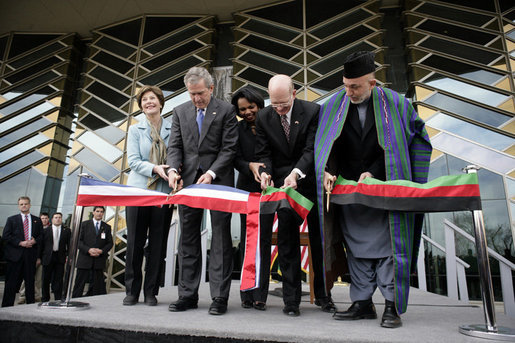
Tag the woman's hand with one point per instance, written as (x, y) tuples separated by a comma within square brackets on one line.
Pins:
[(161, 170), (254, 168)]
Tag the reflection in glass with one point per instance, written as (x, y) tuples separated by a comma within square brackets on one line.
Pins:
[(468, 110), (464, 70), (100, 167), (324, 66), (454, 48), (340, 23), (19, 148), (24, 116), (179, 37), (460, 15), (455, 31), (284, 51), (497, 225), (20, 163), (256, 76), (172, 55), (107, 94), (466, 90), (92, 122), (171, 71), (175, 101), (270, 30), (127, 32), (470, 131), (30, 71), (100, 146), (269, 63), (110, 77), (35, 55), (103, 110), (110, 133), (112, 62), (341, 40), (23, 42), (114, 46), (22, 89), (328, 83), (471, 152), (23, 131)]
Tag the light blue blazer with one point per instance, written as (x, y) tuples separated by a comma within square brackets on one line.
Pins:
[(138, 151)]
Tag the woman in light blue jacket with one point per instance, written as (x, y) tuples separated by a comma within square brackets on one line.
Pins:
[(146, 153)]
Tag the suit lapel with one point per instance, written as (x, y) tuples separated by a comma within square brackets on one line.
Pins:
[(190, 116), (210, 114)]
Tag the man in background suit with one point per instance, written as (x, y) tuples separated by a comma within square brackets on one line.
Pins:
[(285, 139), (22, 234), (95, 241), (201, 150), (54, 250), (45, 220)]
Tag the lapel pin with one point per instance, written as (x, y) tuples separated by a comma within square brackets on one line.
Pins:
[(214, 112), (296, 122)]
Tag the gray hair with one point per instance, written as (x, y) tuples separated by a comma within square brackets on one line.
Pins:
[(195, 74)]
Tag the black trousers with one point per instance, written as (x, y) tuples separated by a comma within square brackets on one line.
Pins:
[(23, 269), (288, 243), (144, 222), (95, 277), (53, 273)]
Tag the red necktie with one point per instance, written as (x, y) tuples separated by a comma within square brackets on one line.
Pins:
[(26, 227)]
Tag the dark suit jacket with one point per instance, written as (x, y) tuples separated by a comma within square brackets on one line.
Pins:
[(13, 235), (357, 150), (213, 150), (88, 238), (48, 245), (281, 156), (245, 153)]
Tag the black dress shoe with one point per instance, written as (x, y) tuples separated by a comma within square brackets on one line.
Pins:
[(326, 304), (218, 306), (150, 300), (246, 304), (363, 309), (130, 300), (258, 305), (291, 310), (390, 317), (182, 304)]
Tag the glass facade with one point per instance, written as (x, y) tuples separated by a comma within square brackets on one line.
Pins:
[(66, 104)]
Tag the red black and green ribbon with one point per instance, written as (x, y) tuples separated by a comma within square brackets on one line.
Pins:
[(444, 194)]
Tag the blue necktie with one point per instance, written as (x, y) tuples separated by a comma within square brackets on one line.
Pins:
[(200, 118), (97, 228)]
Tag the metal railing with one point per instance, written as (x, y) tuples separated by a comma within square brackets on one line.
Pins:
[(455, 268)]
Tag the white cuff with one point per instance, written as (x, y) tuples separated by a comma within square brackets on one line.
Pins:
[(299, 173)]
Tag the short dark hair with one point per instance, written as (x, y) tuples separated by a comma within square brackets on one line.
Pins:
[(59, 213), (154, 89), (250, 94), (102, 207), (44, 214)]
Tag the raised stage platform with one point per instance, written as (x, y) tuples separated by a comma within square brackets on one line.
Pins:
[(430, 318)]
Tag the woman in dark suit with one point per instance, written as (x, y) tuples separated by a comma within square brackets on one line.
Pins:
[(247, 102), (146, 154)]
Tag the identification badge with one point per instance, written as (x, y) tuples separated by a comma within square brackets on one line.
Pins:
[(103, 235)]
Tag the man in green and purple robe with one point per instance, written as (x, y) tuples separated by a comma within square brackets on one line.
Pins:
[(368, 131)]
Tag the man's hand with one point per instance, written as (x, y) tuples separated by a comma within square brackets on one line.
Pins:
[(329, 181), (291, 180), (28, 244), (205, 178), (38, 262), (161, 171), (266, 180), (94, 252), (364, 175), (254, 168), (174, 181)]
